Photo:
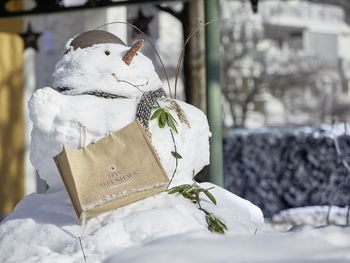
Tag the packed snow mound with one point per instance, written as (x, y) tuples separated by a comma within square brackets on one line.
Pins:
[(90, 69), (57, 120), (328, 245), (44, 227)]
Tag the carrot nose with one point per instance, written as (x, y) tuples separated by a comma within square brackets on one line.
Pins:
[(132, 51)]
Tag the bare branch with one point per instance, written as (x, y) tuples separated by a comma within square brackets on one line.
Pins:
[(178, 14)]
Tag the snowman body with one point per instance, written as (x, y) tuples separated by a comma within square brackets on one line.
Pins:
[(59, 113)]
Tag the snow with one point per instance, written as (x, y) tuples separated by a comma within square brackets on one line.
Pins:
[(71, 3), (329, 245), (44, 227), (310, 215), (162, 228), (90, 69), (303, 14)]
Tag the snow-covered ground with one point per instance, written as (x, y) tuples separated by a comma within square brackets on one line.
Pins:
[(331, 245), (163, 228), (316, 216), (44, 227)]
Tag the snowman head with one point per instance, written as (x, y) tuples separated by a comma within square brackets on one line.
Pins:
[(98, 61)]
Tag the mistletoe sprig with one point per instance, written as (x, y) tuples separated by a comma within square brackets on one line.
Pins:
[(192, 192), (164, 118), (188, 191)]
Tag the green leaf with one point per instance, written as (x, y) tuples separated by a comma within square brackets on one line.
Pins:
[(170, 122), (174, 190), (210, 196), (179, 188), (192, 191), (188, 196), (197, 197), (176, 155), (215, 224), (221, 224), (172, 118), (186, 188), (162, 119), (156, 114)]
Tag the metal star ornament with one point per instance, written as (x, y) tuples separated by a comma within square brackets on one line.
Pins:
[(30, 38), (254, 5), (142, 22)]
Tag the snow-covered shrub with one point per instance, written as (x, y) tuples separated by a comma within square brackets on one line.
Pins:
[(278, 169)]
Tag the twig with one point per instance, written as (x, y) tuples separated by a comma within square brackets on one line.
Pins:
[(328, 216), (194, 31), (347, 167), (127, 82), (336, 144), (176, 159), (82, 249)]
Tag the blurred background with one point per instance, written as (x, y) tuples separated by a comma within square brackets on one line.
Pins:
[(284, 74)]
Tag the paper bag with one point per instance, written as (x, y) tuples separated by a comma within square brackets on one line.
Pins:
[(121, 168)]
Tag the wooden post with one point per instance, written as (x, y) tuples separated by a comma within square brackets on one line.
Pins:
[(194, 60), (11, 116)]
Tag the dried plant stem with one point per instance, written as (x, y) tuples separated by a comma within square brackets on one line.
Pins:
[(202, 209), (151, 43), (328, 216), (194, 31), (82, 248), (346, 166), (135, 86), (340, 155)]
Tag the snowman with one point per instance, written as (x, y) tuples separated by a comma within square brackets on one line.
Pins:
[(103, 85)]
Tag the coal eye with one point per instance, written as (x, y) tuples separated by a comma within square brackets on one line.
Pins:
[(107, 52)]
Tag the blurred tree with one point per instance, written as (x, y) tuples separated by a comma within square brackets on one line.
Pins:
[(342, 3), (253, 65)]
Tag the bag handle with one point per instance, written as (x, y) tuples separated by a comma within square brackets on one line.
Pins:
[(83, 135)]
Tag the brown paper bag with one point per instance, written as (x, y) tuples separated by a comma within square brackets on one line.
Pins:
[(121, 168)]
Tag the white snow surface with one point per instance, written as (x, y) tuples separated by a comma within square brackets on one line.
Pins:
[(329, 245), (162, 228), (90, 69), (310, 215), (44, 227), (57, 119)]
